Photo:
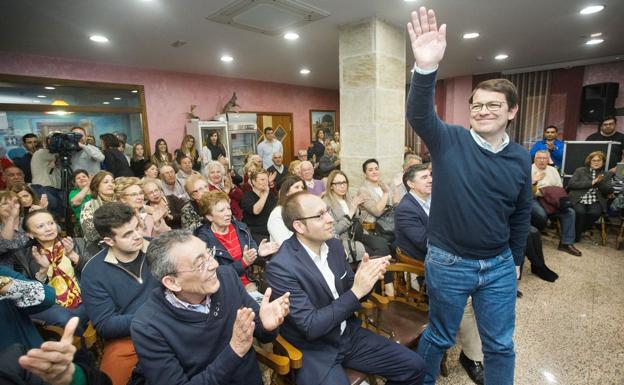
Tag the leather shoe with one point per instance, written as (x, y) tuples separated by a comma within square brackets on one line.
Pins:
[(544, 273), (570, 249), (473, 368)]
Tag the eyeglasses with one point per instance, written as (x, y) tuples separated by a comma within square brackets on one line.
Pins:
[(136, 194), (203, 264), (318, 216), (490, 106), (344, 182)]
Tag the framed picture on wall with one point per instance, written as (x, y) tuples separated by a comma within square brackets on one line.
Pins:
[(322, 120)]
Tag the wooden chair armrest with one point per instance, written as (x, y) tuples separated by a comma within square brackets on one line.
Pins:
[(280, 364), (380, 301), (294, 354)]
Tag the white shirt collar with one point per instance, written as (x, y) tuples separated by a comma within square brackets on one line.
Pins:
[(486, 145), (425, 204), (317, 258), (178, 303)]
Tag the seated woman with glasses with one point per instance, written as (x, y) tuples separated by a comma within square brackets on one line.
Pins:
[(231, 239), (102, 188), (170, 206), (129, 191), (277, 229), (191, 216)]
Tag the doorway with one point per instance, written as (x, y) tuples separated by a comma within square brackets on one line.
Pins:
[(281, 122)]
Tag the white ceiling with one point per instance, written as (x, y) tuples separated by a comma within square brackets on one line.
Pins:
[(532, 32)]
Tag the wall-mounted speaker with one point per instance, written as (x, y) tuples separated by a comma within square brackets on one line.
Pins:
[(598, 101)]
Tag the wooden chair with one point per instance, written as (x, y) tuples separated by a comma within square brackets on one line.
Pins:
[(419, 296), (284, 359), (619, 239)]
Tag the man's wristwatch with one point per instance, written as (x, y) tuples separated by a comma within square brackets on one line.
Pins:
[(5, 281)]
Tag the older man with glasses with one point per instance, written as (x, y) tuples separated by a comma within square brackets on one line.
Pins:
[(198, 327)]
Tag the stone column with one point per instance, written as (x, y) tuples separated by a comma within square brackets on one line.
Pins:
[(372, 97)]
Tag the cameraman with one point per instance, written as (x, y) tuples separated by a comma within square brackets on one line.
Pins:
[(46, 177), (88, 157)]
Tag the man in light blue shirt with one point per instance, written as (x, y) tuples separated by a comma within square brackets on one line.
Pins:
[(268, 147)]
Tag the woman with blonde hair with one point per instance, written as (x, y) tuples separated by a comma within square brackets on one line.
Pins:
[(102, 188), (187, 147), (129, 190), (294, 168), (138, 160)]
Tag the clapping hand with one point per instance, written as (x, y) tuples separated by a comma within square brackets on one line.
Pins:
[(368, 273), (41, 260), (428, 42), (267, 248), (249, 255), (53, 361), (242, 333), (68, 245), (272, 314)]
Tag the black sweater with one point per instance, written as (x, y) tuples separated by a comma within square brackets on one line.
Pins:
[(178, 346)]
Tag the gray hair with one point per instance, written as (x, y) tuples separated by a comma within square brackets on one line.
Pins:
[(214, 164), (158, 250), (409, 157), (544, 151)]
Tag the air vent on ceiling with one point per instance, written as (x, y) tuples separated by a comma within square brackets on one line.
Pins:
[(271, 17)]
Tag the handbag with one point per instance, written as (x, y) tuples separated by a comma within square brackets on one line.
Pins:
[(384, 224)]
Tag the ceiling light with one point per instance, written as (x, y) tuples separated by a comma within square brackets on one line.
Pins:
[(501, 56), (53, 88), (471, 35), (117, 98), (304, 71), (41, 96), (59, 113), (591, 9), (409, 1), (596, 34), (291, 36), (594, 41), (227, 58), (134, 91), (60, 102), (105, 102), (36, 101), (98, 38)]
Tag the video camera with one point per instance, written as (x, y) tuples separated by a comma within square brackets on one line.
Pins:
[(64, 144)]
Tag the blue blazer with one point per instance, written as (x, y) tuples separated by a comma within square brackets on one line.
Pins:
[(410, 227), (313, 324)]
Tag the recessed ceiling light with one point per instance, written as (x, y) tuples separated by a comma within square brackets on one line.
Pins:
[(134, 91), (53, 88), (501, 56), (98, 38), (227, 58), (41, 96), (591, 9), (291, 36), (304, 71), (36, 101), (471, 35), (594, 41), (105, 102), (117, 98), (596, 34), (409, 1)]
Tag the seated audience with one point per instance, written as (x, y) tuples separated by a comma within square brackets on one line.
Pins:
[(187, 147), (161, 156), (302, 155), (257, 205), (219, 180), (231, 239), (375, 192), (129, 190), (115, 283), (335, 143), (313, 186), (81, 193), (12, 236), (185, 168), (170, 205), (102, 188), (542, 176), (150, 170), (607, 132), (398, 188), (115, 161), (190, 215), (589, 188), (12, 175), (328, 162), (138, 160), (277, 229), (198, 327), (552, 146), (278, 169), (29, 200), (171, 185), (294, 168), (88, 157), (322, 323)]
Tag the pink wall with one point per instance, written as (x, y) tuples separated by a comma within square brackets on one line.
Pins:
[(458, 90), (168, 95), (603, 73)]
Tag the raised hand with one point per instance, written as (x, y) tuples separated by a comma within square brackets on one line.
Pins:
[(428, 42), (53, 361), (368, 273), (42, 260), (249, 255), (242, 333), (267, 248), (43, 201), (272, 314), (68, 245)]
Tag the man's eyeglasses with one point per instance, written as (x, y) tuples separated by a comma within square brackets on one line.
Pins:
[(203, 263), (490, 106), (317, 216)]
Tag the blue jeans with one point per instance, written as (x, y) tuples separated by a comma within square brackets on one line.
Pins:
[(492, 284), (567, 220)]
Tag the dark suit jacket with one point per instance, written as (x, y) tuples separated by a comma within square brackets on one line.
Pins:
[(313, 324), (410, 227)]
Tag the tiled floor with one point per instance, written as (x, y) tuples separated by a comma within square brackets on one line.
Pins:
[(569, 332)]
